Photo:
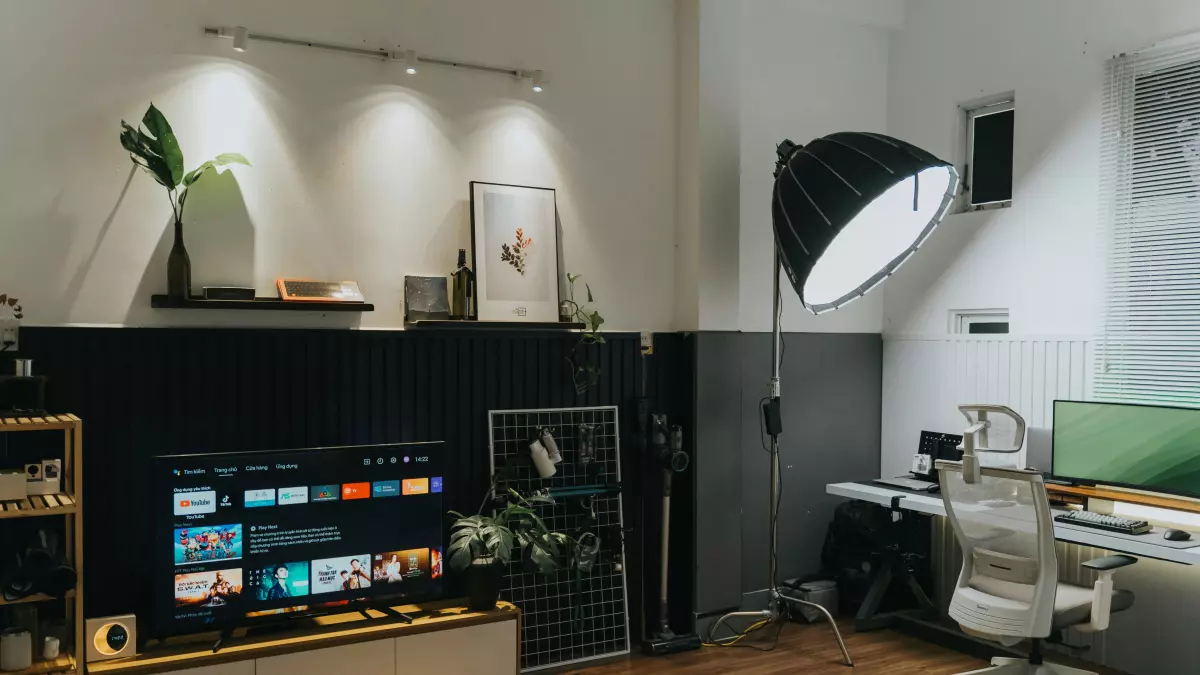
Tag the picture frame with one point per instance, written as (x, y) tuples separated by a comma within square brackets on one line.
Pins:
[(515, 252)]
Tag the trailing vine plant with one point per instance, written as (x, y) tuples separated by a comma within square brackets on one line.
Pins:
[(584, 374)]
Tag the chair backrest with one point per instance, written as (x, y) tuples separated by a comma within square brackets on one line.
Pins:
[(1006, 589)]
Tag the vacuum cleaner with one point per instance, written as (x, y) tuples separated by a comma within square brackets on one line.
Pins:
[(667, 451)]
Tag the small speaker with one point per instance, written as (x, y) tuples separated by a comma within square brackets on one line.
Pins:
[(111, 637)]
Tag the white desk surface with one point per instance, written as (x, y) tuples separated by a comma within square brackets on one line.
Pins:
[(1144, 545)]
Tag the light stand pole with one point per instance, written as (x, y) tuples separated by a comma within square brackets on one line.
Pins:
[(771, 413), (847, 210)]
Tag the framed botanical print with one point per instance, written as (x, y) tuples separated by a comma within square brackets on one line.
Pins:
[(514, 246)]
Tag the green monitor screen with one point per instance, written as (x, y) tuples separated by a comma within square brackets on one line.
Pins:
[(1148, 447)]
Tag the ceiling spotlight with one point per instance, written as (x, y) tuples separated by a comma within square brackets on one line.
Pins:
[(410, 62), (538, 81), (241, 36)]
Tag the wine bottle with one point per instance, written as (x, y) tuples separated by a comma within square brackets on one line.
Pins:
[(461, 297)]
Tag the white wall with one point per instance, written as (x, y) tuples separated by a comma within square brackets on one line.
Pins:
[(808, 69), (1041, 258), (359, 172)]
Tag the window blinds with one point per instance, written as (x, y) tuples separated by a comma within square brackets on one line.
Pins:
[(1150, 191)]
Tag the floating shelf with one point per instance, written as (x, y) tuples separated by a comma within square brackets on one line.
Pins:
[(166, 302), (495, 325)]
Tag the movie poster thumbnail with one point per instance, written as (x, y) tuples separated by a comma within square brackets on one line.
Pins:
[(396, 566), (279, 581), (347, 573), (216, 588), (207, 543), (435, 563)]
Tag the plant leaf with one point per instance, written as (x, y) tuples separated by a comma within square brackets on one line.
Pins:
[(182, 198), (194, 175), (589, 290), (572, 277), (461, 558), (142, 147), (227, 158), (168, 146), (596, 320)]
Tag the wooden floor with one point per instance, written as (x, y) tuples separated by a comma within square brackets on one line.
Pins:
[(810, 650)]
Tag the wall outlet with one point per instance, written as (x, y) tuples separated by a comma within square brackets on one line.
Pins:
[(9, 335)]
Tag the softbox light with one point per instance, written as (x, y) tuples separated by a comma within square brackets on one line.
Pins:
[(849, 208)]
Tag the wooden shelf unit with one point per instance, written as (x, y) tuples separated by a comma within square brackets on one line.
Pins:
[(61, 664), (65, 504)]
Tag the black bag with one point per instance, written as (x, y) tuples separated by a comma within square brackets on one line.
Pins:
[(859, 537)]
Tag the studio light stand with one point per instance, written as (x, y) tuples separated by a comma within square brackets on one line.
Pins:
[(774, 424), (847, 209)]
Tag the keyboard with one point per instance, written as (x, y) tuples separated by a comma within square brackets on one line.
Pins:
[(1103, 522)]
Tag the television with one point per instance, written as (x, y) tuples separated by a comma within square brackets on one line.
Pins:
[(1155, 448), (260, 536)]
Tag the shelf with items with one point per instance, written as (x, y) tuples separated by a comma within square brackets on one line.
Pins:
[(473, 324), (58, 504), (65, 503), (167, 302)]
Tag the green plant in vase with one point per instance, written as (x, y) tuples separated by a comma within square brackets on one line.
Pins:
[(481, 546), (157, 151)]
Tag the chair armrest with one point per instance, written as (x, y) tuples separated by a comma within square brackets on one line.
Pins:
[(1109, 563), (1102, 591)]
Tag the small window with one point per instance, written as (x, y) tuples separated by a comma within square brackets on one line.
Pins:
[(988, 165), (979, 322)]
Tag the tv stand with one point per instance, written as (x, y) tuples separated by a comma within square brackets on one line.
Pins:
[(325, 643), (401, 616)]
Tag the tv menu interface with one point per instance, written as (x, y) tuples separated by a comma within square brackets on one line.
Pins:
[(259, 534)]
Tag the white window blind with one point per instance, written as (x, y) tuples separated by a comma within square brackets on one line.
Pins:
[(1150, 189)]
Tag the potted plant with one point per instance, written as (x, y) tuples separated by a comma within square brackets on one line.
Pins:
[(157, 151), (482, 546), (583, 375)]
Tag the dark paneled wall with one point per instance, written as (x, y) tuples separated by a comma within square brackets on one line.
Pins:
[(831, 398), (146, 392)]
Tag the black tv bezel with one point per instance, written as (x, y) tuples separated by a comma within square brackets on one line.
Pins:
[(160, 630), (1091, 481)]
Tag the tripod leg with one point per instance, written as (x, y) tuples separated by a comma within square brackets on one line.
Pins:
[(864, 619), (828, 617)]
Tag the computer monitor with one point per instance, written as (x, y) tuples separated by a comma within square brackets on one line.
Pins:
[(1154, 448)]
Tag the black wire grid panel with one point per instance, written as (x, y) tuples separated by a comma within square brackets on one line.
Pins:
[(569, 616)]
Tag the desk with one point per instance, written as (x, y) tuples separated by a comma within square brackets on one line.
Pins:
[(919, 502)]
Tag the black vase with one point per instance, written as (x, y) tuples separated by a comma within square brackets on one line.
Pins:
[(179, 268), (483, 579)]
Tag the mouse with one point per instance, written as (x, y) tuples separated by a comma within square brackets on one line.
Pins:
[(1177, 535)]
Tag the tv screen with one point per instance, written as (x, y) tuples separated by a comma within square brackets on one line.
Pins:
[(258, 535), (1149, 447)]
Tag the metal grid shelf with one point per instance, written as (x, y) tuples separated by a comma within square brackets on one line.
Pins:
[(568, 617)]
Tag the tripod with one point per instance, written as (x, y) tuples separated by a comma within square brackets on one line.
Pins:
[(774, 423)]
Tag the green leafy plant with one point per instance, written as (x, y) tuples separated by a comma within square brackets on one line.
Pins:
[(583, 374), (157, 151), (13, 305), (498, 537)]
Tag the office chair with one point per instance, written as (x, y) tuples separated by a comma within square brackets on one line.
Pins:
[(1008, 589)]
